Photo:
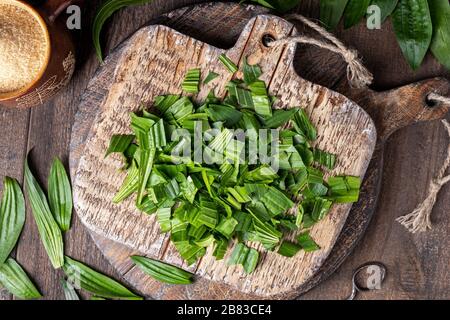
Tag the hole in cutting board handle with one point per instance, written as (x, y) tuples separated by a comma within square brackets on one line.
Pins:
[(267, 39), (430, 103)]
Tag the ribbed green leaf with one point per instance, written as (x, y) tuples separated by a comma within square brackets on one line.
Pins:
[(48, 228), (386, 7), (60, 195), (280, 118), (81, 276), (129, 185), (192, 81), (103, 13), (245, 256), (289, 249), (304, 126), (414, 30), (324, 158), (119, 143), (261, 100), (210, 77), (230, 65), (331, 12), (12, 217), (251, 72), (307, 243), (440, 44), (69, 291), (14, 278), (355, 11), (162, 271)]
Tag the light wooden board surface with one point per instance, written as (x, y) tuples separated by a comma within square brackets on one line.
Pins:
[(154, 62)]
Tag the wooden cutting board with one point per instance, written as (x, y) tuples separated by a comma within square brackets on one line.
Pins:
[(154, 63), (94, 101)]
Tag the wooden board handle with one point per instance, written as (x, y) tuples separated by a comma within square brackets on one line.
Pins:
[(397, 108)]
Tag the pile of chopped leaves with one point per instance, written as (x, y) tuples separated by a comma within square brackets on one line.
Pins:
[(216, 203)]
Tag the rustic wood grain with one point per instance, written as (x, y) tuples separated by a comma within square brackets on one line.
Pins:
[(12, 152), (417, 265), (144, 71)]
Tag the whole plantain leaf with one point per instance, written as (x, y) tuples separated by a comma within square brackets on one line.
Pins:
[(12, 217), (105, 11), (386, 7), (354, 12), (14, 278), (49, 231), (69, 291), (413, 28), (331, 12), (440, 45), (60, 195), (81, 276)]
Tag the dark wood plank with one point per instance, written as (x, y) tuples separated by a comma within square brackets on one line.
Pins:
[(13, 133)]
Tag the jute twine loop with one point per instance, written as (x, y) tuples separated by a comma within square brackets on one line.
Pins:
[(419, 220), (357, 74)]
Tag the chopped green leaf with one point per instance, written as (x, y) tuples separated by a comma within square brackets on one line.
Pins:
[(192, 81), (307, 243), (230, 65), (289, 249), (119, 143), (210, 77)]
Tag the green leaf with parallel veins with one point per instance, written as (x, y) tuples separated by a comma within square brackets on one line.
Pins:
[(386, 7), (251, 72), (324, 158), (440, 44), (304, 126), (192, 81), (331, 12), (48, 228), (280, 118), (14, 278), (103, 13), (119, 143), (210, 77), (80, 275), (307, 243), (12, 217), (60, 195), (230, 65), (162, 271), (69, 291), (414, 30), (289, 249), (354, 12)]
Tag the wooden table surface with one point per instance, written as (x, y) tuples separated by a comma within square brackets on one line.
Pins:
[(418, 265)]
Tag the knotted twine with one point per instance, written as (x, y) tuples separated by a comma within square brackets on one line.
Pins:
[(419, 220), (357, 74), (360, 77)]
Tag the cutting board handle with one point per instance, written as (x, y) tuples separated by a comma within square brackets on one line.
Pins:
[(398, 108)]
